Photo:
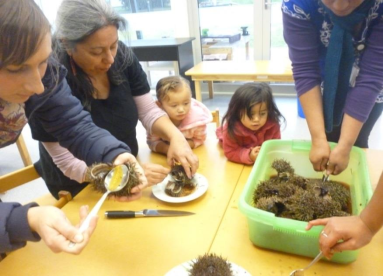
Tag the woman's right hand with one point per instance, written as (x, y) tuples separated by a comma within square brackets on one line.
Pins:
[(155, 173), (320, 154), (180, 151), (56, 231), (341, 233)]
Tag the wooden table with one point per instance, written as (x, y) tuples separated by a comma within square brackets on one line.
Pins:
[(167, 49), (232, 241), (259, 70), (152, 246), (140, 246)]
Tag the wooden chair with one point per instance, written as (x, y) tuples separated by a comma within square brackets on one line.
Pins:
[(23, 151), (25, 175), (169, 66), (222, 53), (215, 115)]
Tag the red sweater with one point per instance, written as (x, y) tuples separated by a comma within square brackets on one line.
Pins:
[(239, 150)]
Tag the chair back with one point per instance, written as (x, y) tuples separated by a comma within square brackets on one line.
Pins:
[(23, 151), (28, 174), (215, 115)]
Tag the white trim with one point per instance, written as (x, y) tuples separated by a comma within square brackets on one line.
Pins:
[(258, 32), (266, 29), (194, 29), (262, 18)]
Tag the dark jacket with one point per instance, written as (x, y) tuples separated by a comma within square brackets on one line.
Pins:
[(56, 115), (14, 227)]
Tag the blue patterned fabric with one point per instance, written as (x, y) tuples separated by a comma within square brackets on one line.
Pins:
[(339, 61)]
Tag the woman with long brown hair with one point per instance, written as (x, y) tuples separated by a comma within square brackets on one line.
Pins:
[(33, 85)]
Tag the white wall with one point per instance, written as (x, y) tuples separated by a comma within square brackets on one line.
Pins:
[(49, 8)]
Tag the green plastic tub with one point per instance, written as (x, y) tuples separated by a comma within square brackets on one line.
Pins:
[(287, 235)]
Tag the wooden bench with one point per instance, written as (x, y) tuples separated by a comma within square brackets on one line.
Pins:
[(259, 71)]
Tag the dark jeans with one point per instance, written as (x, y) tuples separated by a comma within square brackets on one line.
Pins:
[(362, 140)]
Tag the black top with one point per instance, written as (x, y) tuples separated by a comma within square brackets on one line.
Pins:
[(118, 114), (56, 115)]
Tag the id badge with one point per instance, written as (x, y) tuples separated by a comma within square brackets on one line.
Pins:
[(354, 74)]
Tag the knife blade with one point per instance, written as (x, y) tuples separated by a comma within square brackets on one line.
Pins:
[(146, 213), (325, 177)]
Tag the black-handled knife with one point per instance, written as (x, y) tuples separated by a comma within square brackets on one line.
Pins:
[(146, 213)]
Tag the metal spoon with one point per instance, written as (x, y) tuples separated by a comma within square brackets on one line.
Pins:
[(300, 272), (109, 189)]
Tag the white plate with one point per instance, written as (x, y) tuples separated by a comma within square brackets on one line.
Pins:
[(183, 270), (159, 190)]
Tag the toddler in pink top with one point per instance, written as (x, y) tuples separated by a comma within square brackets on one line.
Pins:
[(188, 115), (251, 119)]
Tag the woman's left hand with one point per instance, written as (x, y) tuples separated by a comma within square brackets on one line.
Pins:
[(136, 191), (338, 160), (180, 151)]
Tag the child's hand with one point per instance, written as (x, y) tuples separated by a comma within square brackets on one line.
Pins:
[(254, 153), (155, 173), (191, 143)]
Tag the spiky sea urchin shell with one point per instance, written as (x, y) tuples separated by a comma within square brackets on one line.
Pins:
[(295, 197), (181, 185), (273, 187), (210, 265), (282, 167), (272, 204), (99, 172), (338, 193)]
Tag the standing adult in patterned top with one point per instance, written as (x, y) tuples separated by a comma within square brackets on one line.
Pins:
[(336, 47)]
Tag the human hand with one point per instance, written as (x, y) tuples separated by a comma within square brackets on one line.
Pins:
[(254, 153), (155, 173), (319, 154), (56, 231), (341, 233), (338, 160), (137, 190), (180, 151)]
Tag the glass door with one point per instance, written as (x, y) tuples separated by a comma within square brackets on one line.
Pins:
[(241, 30), (226, 29), (278, 47)]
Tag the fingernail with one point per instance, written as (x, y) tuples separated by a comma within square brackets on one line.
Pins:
[(78, 238)]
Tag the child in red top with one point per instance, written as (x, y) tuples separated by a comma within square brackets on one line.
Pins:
[(251, 119)]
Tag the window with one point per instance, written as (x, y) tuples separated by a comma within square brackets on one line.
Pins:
[(137, 6)]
